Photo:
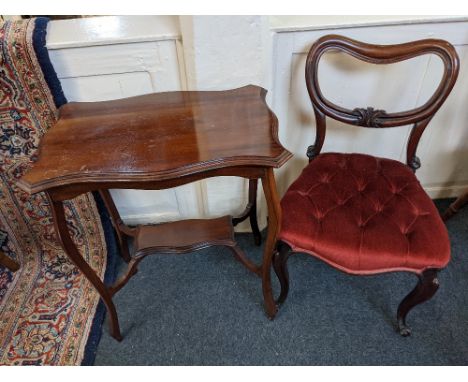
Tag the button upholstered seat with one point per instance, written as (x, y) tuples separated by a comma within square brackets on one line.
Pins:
[(364, 215)]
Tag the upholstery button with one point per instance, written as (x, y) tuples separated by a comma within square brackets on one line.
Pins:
[(361, 187), (419, 213), (408, 234), (318, 217), (406, 231)]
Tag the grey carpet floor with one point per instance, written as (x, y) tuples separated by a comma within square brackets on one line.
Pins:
[(206, 309)]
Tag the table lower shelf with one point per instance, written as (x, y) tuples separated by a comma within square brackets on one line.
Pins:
[(182, 237)]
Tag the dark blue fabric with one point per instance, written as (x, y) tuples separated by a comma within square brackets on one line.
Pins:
[(39, 43), (109, 278)]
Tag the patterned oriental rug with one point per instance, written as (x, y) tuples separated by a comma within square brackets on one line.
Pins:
[(49, 313)]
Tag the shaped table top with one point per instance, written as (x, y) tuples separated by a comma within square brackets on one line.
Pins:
[(156, 137)]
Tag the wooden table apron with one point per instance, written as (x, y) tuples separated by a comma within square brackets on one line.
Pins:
[(57, 195)]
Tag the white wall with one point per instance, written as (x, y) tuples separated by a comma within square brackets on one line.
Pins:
[(443, 149), (311, 22), (223, 52), (113, 57), (105, 58)]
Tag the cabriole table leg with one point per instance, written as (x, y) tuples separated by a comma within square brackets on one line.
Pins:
[(274, 221), (117, 223), (251, 212), (71, 250)]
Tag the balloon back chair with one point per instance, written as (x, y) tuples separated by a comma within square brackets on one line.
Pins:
[(362, 214)]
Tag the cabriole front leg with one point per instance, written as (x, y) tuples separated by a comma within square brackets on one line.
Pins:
[(280, 259), (424, 290), (71, 250)]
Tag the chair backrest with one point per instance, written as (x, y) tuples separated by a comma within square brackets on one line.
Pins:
[(368, 116)]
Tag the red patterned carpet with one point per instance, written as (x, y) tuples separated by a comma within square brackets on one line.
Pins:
[(47, 307)]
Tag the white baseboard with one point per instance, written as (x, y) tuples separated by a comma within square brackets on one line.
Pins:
[(148, 218), (156, 218), (453, 191)]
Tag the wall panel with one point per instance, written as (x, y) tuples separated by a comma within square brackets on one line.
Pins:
[(348, 82)]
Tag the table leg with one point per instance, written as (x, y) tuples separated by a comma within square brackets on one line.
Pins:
[(117, 223), (71, 250), (274, 221), (251, 212)]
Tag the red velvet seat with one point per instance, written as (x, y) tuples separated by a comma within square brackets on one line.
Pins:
[(359, 213), (363, 215)]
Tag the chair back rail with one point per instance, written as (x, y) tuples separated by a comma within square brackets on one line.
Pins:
[(368, 116)]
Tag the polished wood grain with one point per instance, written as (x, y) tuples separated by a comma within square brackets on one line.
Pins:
[(197, 234), (368, 116), (156, 137), (156, 142)]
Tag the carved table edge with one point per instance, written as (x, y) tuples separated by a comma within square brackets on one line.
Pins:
[(172, 174)]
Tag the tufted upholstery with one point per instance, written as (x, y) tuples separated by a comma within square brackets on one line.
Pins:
[(363, 215)]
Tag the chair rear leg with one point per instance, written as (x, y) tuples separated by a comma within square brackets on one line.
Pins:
[(424, 290), (281, 269), (455, 206)]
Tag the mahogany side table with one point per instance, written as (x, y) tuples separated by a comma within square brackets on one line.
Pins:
[(159, 141)]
